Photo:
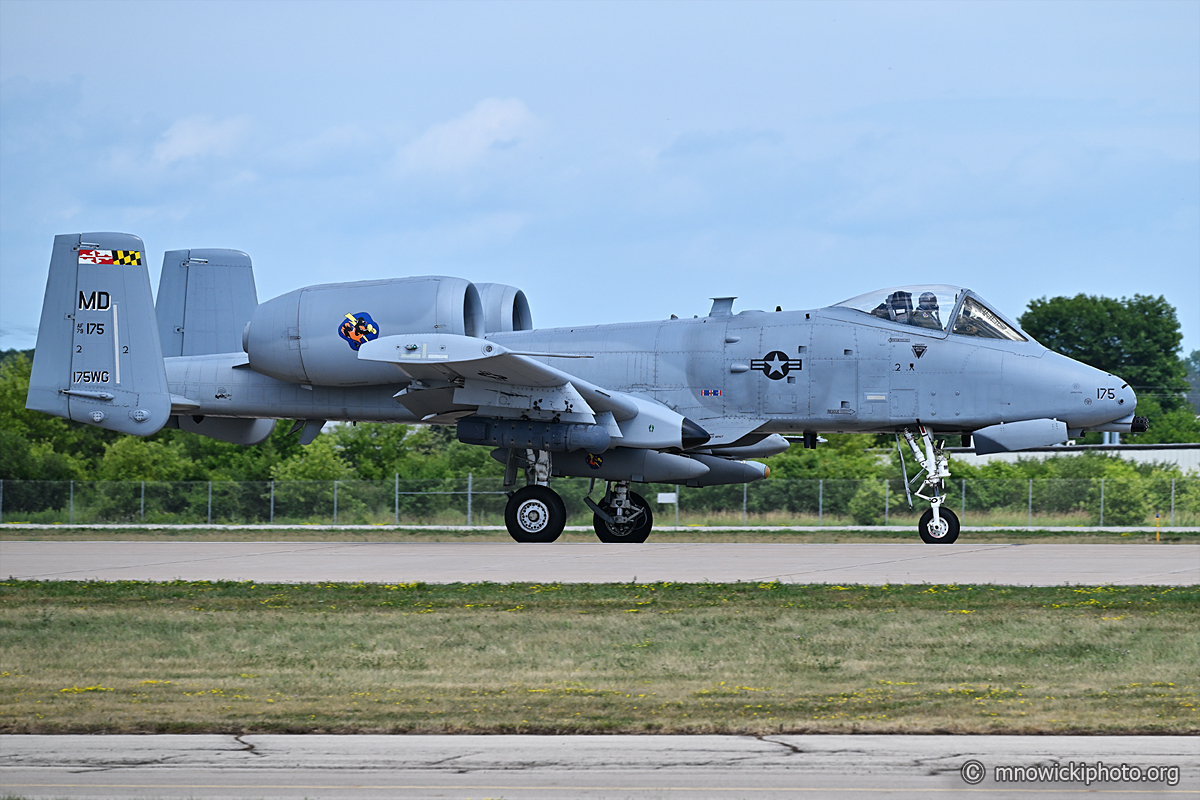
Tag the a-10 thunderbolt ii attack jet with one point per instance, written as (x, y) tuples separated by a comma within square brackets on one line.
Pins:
[(682, 401)]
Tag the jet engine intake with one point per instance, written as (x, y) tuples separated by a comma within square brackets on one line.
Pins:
[(555, 437)]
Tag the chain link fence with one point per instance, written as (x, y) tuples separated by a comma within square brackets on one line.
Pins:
[(481, 501)]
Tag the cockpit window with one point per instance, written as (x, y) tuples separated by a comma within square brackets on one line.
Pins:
[(920, 306), (976, 319)]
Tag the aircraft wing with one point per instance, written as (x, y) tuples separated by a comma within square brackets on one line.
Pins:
[(454, 374)]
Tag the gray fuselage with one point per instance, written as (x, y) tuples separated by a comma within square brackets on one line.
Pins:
[(827, 370)]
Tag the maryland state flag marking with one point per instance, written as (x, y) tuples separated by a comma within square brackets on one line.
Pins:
[(128, 258)]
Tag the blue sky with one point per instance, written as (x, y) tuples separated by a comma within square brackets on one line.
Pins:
[(617, 161)]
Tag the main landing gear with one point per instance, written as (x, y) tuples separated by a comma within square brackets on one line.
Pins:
[(536, 514), (938, 525)]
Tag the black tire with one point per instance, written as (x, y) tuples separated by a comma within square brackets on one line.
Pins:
[(634, 533), (949, 532), (535, 514)]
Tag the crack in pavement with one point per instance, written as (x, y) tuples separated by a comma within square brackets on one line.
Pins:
[(792, 747), (247, 747), (933, 769)]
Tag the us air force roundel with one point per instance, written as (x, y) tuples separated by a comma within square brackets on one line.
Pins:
[(775, 364)]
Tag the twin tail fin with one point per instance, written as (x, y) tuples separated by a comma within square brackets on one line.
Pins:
[(98, 358)]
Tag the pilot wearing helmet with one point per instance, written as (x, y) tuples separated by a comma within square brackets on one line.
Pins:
[(926, 314)]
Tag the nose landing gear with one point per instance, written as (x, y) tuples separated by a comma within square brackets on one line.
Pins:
[(622, 516), (938, 525)]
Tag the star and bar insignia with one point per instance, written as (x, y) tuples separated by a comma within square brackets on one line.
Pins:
[(127, 258), (775, 365)]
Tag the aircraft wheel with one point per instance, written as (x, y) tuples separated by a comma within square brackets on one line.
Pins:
[(946, 532), (634, 533), (535, 514)]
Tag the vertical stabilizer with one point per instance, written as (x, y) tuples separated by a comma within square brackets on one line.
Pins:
[(205, 299), (98, 358)]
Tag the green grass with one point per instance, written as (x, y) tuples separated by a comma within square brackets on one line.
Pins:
[(493, 658)]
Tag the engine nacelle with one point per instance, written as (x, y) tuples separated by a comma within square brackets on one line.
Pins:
[(312, 335), (505, 308)]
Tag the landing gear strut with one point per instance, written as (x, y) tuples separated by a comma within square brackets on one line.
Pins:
[(938, 525), (535, 513), (622, 516)]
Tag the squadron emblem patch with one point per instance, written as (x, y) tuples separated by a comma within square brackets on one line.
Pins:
[(594, 461), (358, 329)]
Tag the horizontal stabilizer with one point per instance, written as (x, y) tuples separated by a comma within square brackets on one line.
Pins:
[(227, 429), (1006, 437)]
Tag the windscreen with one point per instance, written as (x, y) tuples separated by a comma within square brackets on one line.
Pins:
[(976, 319)]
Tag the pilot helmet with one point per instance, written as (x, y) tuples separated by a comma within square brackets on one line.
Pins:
[(928, 301)]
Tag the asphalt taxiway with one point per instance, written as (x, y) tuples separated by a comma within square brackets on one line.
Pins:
[(505, 562), (544, 767)]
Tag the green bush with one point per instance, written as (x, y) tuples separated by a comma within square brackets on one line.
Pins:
[(866, 506)]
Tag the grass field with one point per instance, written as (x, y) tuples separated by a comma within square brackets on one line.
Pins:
[(492, 658), (660, 535)]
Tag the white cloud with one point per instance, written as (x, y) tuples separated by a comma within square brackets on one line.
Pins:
[(493, 124), (333, 143), (196, 137)]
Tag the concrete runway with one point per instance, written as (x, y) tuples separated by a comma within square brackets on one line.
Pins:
[(546, 767), (504, 562)]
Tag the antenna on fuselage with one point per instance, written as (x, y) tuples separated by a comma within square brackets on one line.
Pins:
[(722, 307)]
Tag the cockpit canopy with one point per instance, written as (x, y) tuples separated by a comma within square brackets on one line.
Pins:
[(933, 307)]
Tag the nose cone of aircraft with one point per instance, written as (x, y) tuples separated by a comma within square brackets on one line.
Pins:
[(1095, 397)]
